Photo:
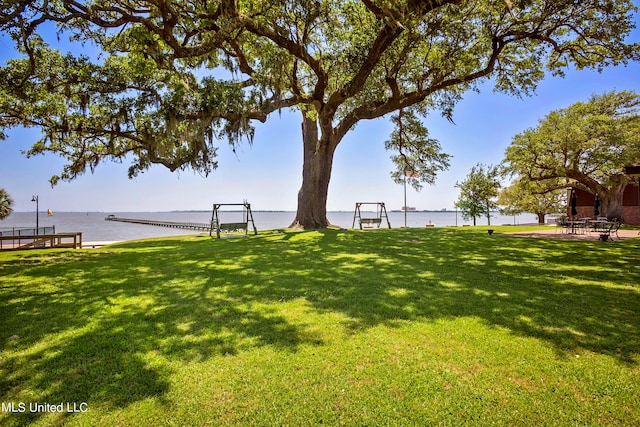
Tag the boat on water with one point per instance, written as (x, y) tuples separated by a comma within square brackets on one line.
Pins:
[(406, 209)]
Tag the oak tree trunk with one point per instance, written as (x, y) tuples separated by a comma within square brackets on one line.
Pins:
[(316, 174), (611, 203)]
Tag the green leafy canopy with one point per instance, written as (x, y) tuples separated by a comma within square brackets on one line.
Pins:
[(585, 145), (172, 78), (417, 157)]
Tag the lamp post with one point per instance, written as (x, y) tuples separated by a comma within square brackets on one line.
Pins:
[(35, 199), (405, 198)]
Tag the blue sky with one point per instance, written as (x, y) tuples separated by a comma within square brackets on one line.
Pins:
[(268, 174)]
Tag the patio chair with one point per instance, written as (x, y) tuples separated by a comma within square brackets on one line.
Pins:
[(608, 233), (614, 228), (563, 225), (605, 233)]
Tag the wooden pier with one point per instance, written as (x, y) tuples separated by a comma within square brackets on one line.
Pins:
[(197, 226)]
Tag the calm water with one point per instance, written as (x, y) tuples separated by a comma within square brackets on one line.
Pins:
[(94, 227)]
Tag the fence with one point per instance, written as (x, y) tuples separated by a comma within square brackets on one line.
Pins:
[(16, 232)]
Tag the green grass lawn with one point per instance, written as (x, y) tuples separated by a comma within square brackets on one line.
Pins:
[(437, 326)]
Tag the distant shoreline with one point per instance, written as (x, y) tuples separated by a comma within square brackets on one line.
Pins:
[(240, 210)]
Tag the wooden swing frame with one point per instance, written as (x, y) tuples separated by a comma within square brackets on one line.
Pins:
[(232, 227), (370, 222)]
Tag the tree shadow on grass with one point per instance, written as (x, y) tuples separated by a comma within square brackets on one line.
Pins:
[(105, 326), (574, 295)]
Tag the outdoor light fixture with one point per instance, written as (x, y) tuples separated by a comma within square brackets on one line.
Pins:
[(35, 199)]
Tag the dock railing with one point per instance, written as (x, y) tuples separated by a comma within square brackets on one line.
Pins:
[(42, 237), (197, 226)]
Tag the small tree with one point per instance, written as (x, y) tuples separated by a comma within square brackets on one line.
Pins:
[(6, 204), (478, 192), (525, 196)]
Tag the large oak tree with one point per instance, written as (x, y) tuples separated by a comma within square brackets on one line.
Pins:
[(585, 145), (176, 76)]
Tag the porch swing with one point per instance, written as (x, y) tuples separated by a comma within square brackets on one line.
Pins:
[(370, 222), (232, 227)]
